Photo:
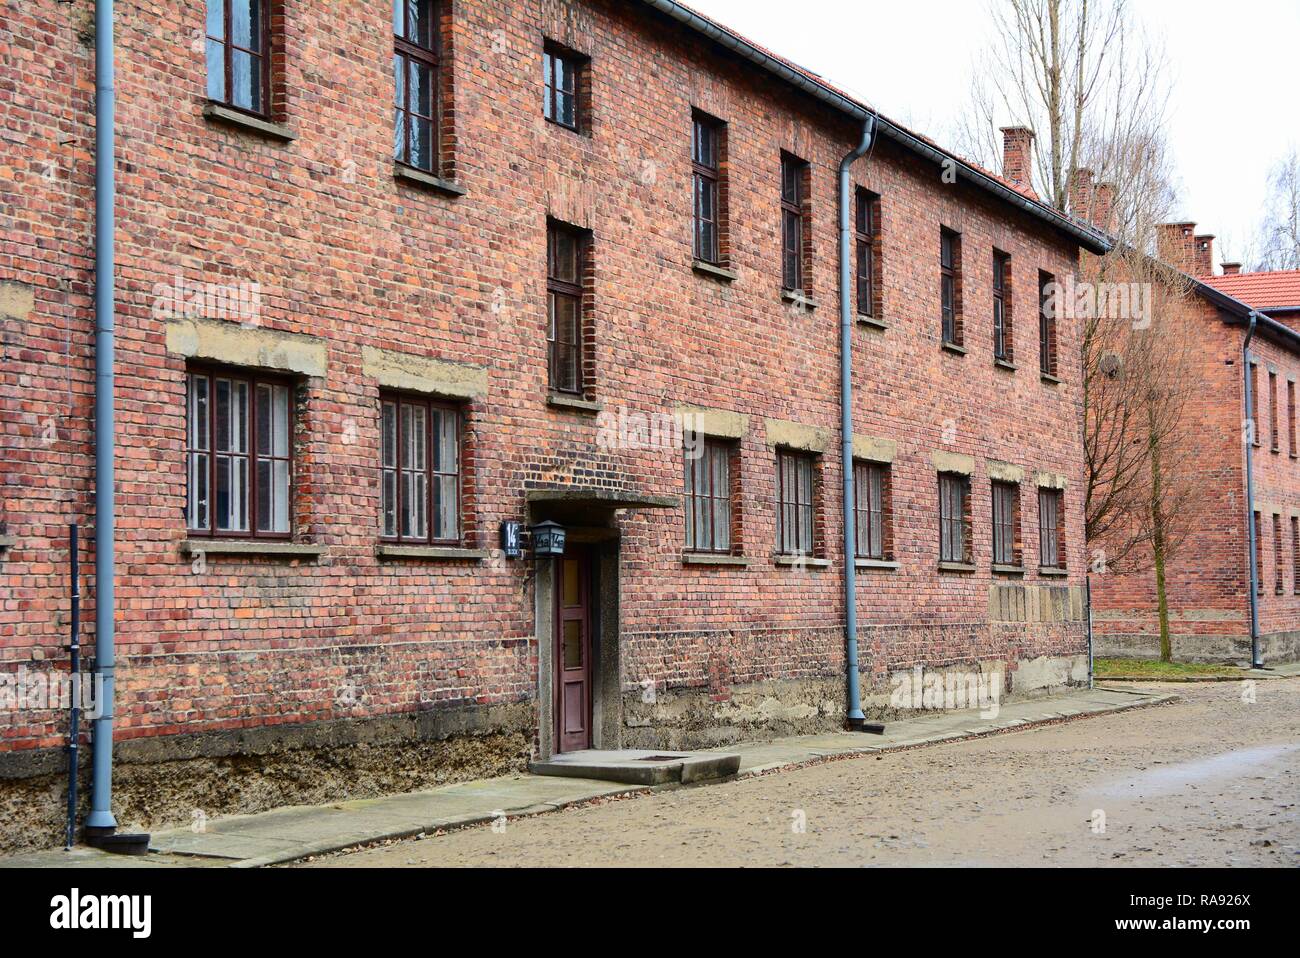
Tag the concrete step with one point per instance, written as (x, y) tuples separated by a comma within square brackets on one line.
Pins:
[(640, 767)]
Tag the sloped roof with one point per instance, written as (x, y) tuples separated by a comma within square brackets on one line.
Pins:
[(1087, 236), (1265, 291)]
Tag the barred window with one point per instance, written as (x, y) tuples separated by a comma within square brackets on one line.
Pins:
[(420, 470), (1050, 529), (1006, 514), (795, 507), (565, 267), (950, 285), (871, 492), (706, 178), (868, 252), (239, 459), (793, 227), (1002, 306), (708, 498), (954, 505)]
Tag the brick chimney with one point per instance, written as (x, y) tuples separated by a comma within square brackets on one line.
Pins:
[(1231, 269), (1018, 157), (1203, 257), (1104, 206), (1082, 196), (1176, 245)]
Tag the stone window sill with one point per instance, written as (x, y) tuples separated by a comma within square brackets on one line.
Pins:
[(707, 559), (561, 401), (803, 302), (437, 184), (955, 349), (1053, 573), (880, 565), (245, 121), (1005, 364), (251, 547), (806, 562), (962, 567), (713, 271), (430, 553), (1008, 570), (870, 322), (1049, 379)]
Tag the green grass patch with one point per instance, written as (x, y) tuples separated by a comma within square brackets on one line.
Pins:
[(1149, 669)]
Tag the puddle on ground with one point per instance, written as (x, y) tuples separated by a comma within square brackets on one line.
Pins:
[(1170, 779)]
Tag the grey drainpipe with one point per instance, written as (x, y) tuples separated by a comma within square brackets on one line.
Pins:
[(1250, 494), (101, 821), (856, 718)]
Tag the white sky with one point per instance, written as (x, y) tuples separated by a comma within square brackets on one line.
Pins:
[(1235, 109)]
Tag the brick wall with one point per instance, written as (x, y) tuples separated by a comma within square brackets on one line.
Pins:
[(350, 256)]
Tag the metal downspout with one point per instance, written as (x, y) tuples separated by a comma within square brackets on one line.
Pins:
[(1250, 493), (855, 716), (101, 821)]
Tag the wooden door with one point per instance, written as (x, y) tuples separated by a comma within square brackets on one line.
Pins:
[(573, 622)]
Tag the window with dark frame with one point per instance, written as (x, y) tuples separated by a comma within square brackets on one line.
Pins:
[(239, 458), (1291, 423), (1050, 555), (706, 142), (868, 252), (1259, 555), (1275, 431), (796, 510), (561, 79), (1295, 554), (950, 285), (1278, 586), (417, 76), (1254, 404), (708, 498), (566, 255), (419, 471), (1002, 338), (1047, 351), (1006, 524), (871, 510), (793, 227), (238, 53), (954, 519)]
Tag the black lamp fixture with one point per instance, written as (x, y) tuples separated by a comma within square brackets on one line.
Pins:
[(548, 540)]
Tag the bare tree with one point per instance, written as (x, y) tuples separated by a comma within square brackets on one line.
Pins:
[(1279, 234)]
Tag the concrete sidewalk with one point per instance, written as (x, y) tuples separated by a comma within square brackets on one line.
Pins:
[(290, 834)]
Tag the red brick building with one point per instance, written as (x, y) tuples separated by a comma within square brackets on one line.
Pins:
[(1209, 578), (339, 373)]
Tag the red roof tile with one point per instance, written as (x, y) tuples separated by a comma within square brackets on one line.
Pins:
[(1266, 291)]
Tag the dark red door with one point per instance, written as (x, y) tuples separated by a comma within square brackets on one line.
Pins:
[(573, 651)]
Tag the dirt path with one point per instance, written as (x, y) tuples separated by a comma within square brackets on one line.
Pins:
[(1211, 780)]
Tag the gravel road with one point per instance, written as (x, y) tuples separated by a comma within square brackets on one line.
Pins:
[(1209, 780)]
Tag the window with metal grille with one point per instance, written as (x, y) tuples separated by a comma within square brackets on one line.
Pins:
[(708, 498), (566, 253), (238, 53), (420, 471), (796, 513), (1049, 529), (706, 153), (239, 454), (954, 506), (1006, 521), (417, 77), (871, 509)]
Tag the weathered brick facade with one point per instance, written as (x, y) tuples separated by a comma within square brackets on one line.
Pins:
[(1208, 578), (334, 643)]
